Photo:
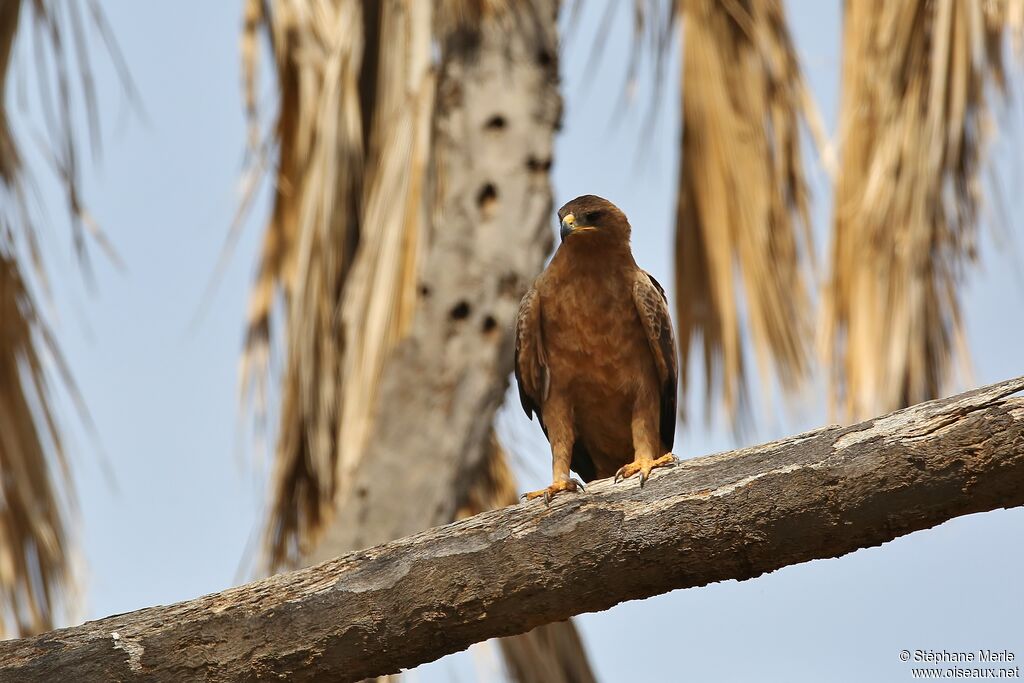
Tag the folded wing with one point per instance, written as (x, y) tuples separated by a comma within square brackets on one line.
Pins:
[(531, 368), (652, 305)]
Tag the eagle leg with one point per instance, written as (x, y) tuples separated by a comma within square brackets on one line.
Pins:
[(644, 467), (558, 419), (549, 493)]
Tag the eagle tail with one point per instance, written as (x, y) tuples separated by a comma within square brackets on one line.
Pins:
[(582, 464)]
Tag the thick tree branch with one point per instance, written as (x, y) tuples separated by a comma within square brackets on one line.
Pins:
[(730, 516)]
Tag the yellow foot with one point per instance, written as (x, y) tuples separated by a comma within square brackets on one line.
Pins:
[(644, 467), (549, 492)]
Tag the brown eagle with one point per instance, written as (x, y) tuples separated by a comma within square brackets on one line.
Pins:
[(596, 355)]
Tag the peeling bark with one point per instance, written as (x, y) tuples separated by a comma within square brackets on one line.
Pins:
[(734, 515)]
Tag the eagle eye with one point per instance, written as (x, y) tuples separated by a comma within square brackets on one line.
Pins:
[(591, 217)]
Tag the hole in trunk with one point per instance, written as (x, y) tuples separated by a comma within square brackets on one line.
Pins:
[(460, 311), (487, 200), (535, 165)]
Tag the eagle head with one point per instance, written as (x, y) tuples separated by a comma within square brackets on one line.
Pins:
[(593, 217)]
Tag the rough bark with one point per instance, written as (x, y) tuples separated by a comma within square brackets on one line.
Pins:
[(729, 516), (552, 653)]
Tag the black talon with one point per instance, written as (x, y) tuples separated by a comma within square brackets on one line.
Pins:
[(643, 478), (579, 483), (547, 497)]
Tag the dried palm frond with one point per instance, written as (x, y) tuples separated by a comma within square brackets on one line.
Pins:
[(742, 217), (451, 14), (913, 123), (353, 144), (57, 35), (60, 50), (380, 296), (10, 161), (308, 247), (37, 583), (552, 653)]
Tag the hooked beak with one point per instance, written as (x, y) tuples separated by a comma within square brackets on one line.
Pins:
[(568, 224)]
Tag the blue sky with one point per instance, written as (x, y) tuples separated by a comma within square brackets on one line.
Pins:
[(162, 392)]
